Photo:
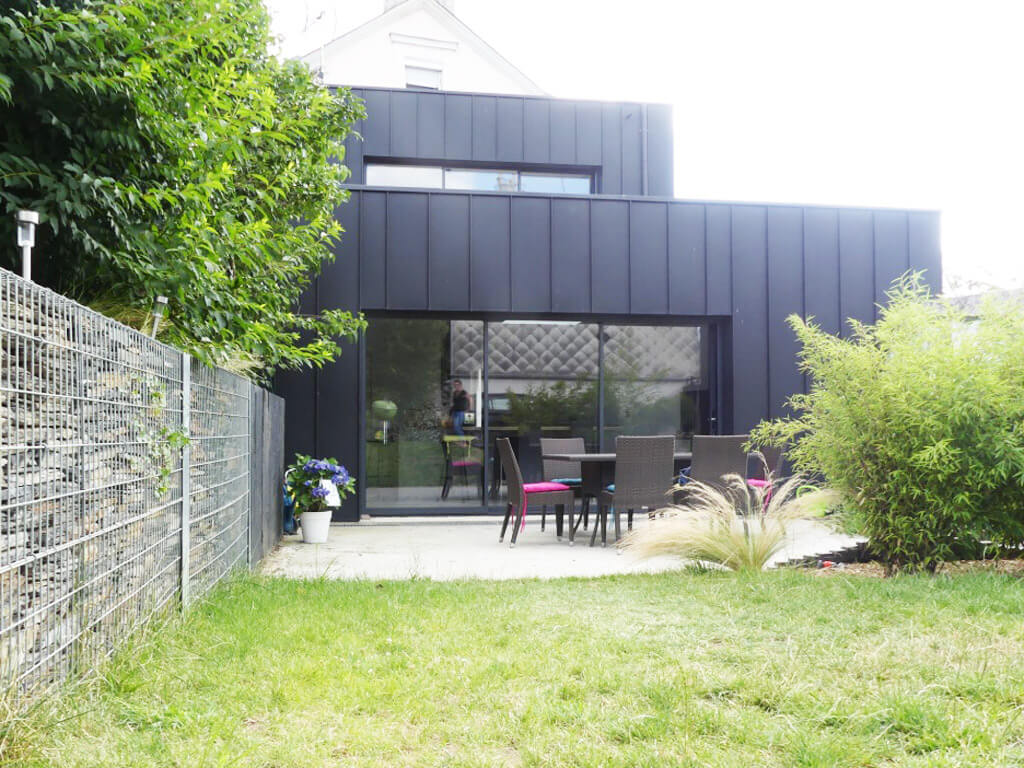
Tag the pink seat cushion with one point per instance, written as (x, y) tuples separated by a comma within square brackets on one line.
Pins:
[(465, 463), (545, 487)]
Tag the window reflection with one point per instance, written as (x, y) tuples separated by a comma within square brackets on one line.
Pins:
[(381, 175), (654, 381), (550, 183), (485, 181)]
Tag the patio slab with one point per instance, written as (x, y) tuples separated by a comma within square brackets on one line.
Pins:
[(446, 549)]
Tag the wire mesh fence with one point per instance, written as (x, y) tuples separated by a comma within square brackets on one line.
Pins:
[(219, 477), (97, 479)]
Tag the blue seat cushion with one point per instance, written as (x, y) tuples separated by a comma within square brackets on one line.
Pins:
[(568, 480)]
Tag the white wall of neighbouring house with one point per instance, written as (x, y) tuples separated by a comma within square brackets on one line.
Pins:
[(418, 43)]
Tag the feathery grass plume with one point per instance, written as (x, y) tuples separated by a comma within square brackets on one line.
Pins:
[(731, 524)]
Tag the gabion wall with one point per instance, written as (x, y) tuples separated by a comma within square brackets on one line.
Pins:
[(96, 479)]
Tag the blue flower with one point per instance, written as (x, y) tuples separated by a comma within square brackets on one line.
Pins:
[(342, 477), (309, 466), (308, 483), (322, 466), (320, 492)]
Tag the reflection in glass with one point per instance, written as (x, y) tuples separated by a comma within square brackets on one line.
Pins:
[(414, 460), (543, 383), (550, 183), (420, 176), (654, 381), (486, 181)]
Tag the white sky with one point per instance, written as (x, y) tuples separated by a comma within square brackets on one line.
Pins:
[(862, 102)]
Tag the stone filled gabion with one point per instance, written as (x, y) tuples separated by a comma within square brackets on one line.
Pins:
[(91, 482)]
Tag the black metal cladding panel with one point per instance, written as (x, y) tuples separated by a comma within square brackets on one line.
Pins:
[(632, 150), (821, 267), (589, 148), (448, 246), (407, 252), (686, 260), (891, 257), (562, 130), (485, 128), (458, 127), (489, 254), (339, 281), (659, 151), (923, 246), (429, 125), (571, 261), (718, 233), (856, 267), (372, 244), (536, 131), (510, 131), (531, 244), (338, 423), (611, 149), (403, 124), (785, 298), (609, 256), (648, 258), (377, 125), (749, 315)]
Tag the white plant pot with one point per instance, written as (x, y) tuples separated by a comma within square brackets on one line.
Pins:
[(315, 526)]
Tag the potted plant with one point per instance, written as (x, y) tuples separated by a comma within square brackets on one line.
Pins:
[(316, 485)]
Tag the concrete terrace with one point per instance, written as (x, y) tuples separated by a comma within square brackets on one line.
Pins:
[(447, 549)]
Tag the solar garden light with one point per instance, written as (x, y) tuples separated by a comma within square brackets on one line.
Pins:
[(159, 307), (27, 221)]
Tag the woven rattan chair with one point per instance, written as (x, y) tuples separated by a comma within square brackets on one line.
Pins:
[(643, 476), (566, 472), (718, 455), (521, 495)]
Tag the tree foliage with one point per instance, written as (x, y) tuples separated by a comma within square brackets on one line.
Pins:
[(169, 154), (918, 421)]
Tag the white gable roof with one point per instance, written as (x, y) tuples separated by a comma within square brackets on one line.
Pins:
[(421, 34)]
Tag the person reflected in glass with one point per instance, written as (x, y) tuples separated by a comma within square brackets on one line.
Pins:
[(462, 402)]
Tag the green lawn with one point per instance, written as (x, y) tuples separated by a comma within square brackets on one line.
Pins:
[(785, 669)]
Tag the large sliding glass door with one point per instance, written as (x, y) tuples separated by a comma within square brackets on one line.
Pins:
[(440, 392), (417, 459)]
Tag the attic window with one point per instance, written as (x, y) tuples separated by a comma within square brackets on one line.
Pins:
[(422, 77)]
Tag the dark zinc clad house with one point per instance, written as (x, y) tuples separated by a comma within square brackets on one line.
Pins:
[(527, 273)]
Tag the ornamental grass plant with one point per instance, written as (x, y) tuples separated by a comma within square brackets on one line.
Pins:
[(730, 525)]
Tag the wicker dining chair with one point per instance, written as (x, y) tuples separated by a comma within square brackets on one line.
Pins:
[(643, 477), (566, 472), (521, 495)]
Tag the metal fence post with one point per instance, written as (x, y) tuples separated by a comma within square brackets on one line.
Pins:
[(186, 479), (250, 422)]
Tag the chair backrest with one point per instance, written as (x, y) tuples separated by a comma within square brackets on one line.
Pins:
[(559, 469), (718, 455), (513, 477), (643, 471)]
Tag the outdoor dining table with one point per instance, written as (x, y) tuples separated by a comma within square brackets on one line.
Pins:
[(598, 469)]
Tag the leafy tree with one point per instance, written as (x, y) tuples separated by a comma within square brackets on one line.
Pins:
[(918, 421), (169, 154)]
